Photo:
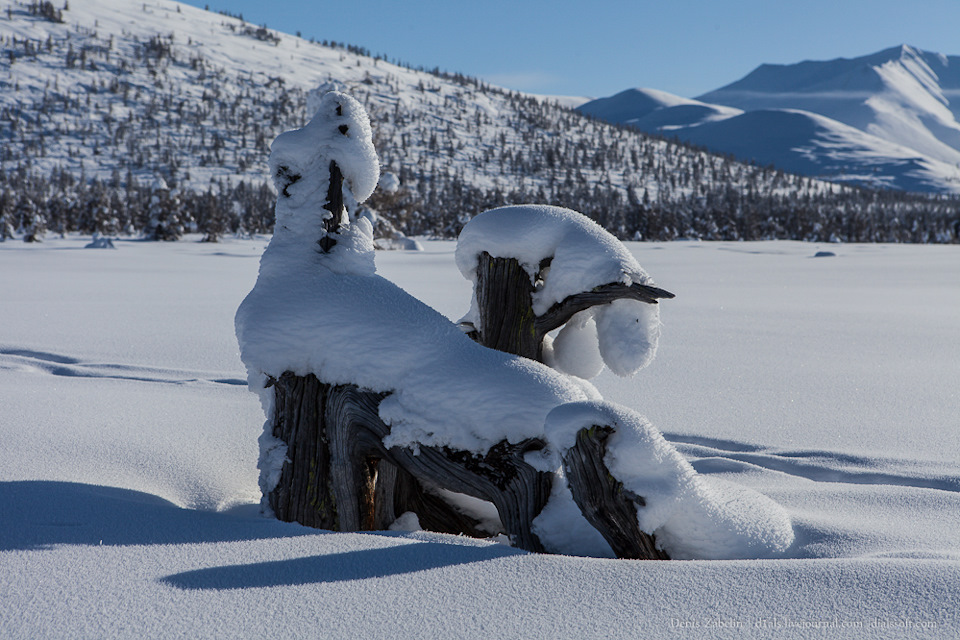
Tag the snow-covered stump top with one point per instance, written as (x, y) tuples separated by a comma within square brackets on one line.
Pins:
[(301, 163), (565, 254)]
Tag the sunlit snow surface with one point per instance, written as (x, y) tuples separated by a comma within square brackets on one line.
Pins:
[(128, 469)]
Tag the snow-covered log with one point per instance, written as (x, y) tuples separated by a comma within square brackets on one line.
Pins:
[(603, 500)]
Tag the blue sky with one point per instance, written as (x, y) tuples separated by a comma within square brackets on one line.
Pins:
[(598, 48)]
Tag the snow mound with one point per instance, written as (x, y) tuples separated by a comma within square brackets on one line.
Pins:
[(690, 515), (99, 241), (340, 131)]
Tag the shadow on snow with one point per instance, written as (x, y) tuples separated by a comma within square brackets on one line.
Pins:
[(339, 567), (41, 514)]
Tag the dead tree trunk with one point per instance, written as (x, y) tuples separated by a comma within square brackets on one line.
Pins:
[(504, 292), (505, 304)]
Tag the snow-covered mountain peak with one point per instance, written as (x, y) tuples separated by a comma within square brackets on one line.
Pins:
[(904, 101)]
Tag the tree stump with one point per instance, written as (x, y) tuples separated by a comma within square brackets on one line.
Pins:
[(504, 292), (339, 475)]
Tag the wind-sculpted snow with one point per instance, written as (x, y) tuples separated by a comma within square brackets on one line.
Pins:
[(318, 308), (339, 131), (691, 516), (819, 394)]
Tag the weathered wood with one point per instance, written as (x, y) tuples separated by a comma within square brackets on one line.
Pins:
[(349, 454), (517, 490), (334, 205), (558, 315), (355, 456), (507, 321), (303, 493), (603, 500), (504, 292), (433, 512)]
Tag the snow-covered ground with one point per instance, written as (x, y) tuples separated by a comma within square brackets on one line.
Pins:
[(128, 476)]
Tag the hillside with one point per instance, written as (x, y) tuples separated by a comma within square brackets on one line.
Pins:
[(116, 116)]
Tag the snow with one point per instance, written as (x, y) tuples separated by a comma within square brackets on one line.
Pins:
[(628, 332), (584, 254), (575, 350), (339, 131), (883, 120), (126, 420)]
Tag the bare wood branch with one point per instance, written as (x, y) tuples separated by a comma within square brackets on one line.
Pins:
[(605, 503), (334, 205), (561, 312)]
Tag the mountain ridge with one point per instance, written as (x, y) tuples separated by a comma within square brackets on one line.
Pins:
[(898, 101)]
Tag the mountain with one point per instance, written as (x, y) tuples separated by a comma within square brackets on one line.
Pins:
[(884, 120), (120, 116), (653, 110)]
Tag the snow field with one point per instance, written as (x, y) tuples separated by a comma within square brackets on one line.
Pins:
[(826, 384)]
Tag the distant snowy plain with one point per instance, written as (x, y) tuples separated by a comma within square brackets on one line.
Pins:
[(128, 485)]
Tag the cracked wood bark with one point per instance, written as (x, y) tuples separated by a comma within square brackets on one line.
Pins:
[(363, 485), (507, 321), (603, 500), (303, 493)]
